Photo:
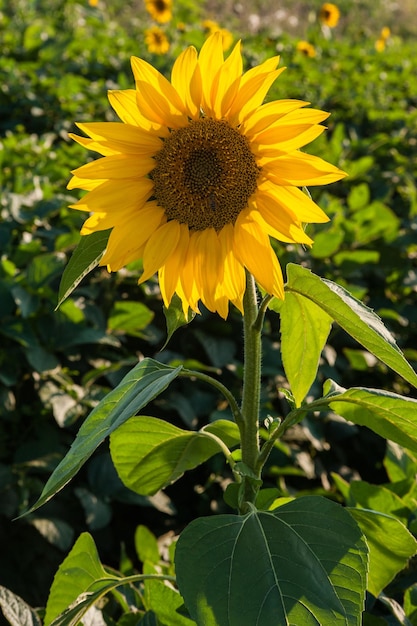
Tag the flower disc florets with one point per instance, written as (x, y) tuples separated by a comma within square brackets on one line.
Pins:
[(205, 174)]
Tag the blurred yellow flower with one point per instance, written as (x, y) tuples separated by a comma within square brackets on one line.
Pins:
[(385, 33), (329, 14), (380, 45), (306, 48), (159, 10), (93, 3), (156, 40), (200, 174), (213, 27)]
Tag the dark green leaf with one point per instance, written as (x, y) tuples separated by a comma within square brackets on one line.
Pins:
[(85, 258), (304, 563), (175, 318), (146, 381)]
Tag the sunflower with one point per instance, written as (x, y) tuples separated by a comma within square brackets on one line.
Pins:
[(329, 14), (307, 49), (159, 10), (156, 40), (210, 26), (200, 174)]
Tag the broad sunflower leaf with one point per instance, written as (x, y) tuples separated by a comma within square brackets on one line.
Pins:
[(150, 454), (304, 563), (388, 414), (304, 331), (352, 315), (390, 544), (80, 569), (141, 385), (84, 259)]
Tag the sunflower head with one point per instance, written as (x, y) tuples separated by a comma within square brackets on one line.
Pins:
[(307, 49), (329, 14), (156, 40), (199, 174), (159, 10)]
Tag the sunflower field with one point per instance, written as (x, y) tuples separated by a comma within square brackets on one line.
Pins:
[(134, 488)]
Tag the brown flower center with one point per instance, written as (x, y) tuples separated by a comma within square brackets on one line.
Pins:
[(205, 174)]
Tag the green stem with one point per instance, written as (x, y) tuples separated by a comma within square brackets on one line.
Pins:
[(251, 394)]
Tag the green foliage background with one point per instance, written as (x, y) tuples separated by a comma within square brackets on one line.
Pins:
[(57, 61)]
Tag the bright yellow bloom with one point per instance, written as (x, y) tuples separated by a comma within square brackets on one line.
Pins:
[(159, 10), (93, 3), (385, 33), (156, 40), (213, 27), (306, 48), (329, 14), (380, 45), (200, 174)]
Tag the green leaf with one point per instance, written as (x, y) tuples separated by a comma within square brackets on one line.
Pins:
[(304, 331), (399, 464), (390, 546), (141, 385), (226, 430), (175, 318), (353, 316), (80, 570), (15, 610), (379, 498), (130, 317), (146, 545), (304, 563), (388, 414), (410, 603), (85, 258), (150, 454), (165, 602)]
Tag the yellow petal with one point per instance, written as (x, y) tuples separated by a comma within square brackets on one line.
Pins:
[(292, 201), (156, 98), (234, 280), (284, 139), (170, 272), (252, 247), (268, 114), (300, 169), (207, 266), (188, 277), (117, 166), (277, 224), (210, 61), (108, 197), (186, 80), (90, 144), (254, 86), (122, 137), (87, 184), (123, 102), (161, 244), (228, 81), (305, 116), (128, 237)]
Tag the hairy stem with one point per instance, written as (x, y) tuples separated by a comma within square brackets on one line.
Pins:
[(251, 394)]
